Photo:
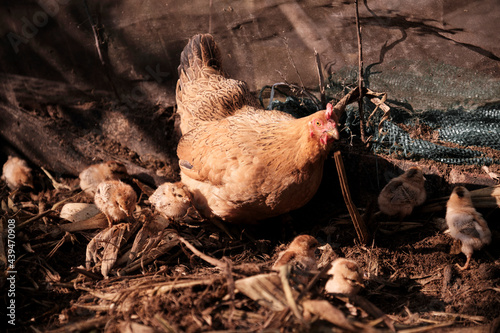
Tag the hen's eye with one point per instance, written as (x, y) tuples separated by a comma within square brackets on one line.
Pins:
[(318, 123)]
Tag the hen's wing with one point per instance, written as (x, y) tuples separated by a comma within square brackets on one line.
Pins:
[(229, 149)]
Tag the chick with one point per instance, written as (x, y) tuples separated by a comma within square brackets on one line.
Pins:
[(16, 173), (466, 224), (347, 277), (115, 199), (300, 254), (92, 176), (172, 200), (403, 193)]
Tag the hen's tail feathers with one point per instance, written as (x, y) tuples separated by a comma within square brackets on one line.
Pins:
[(199, 55), (204, 92)]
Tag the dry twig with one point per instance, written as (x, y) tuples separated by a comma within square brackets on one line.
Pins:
[(357, 220), (284, 274), (360, 76), (321, 80), (81, 326), (212, 261)]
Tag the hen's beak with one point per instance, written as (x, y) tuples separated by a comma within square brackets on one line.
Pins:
[(333, 132)]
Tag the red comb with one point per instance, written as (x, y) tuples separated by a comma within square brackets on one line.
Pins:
[(329, 110)]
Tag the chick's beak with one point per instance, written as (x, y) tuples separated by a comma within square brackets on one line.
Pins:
[(125, 211), (361, 284)]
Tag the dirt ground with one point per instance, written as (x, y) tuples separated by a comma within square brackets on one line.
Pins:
[(410, 267)]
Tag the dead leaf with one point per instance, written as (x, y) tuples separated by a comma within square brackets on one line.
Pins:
[(324, 310), (109, 241), (78, 211), (131, 327), (265, 289), (148, 237)]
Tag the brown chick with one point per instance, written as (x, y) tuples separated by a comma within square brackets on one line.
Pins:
[(300, 254), (403, 193), (172, 200), (346, 277), (16, 173), (240, 162), (93, 175), (466, 224), (115, 199)]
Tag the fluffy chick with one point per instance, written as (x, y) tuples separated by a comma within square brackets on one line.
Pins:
[(346, 277), (93, 175), (403, 193), (16, 173), (172, 200), (300, 254), (466, 224), (115, 199)]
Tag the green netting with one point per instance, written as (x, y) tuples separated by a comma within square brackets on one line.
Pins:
[(458, 126), (459, 110), (438, 112), (471, 130)]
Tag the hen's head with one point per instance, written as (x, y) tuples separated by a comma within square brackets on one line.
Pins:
[(323, 126)]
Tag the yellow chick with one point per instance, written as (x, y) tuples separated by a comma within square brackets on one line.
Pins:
[(346, 277), (403, 193), (466, 224), (115, 199), (16, 173), (172, 200), (300, 254), (93, 175)]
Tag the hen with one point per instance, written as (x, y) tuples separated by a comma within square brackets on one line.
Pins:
[(465, 223), (241, 162)]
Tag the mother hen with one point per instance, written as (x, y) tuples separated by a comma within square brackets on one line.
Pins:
[(241, 162)]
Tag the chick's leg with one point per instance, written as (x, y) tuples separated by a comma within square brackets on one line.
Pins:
[(110, 222), (466, 266)]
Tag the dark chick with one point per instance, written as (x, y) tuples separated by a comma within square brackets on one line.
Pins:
[(403, 193)]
